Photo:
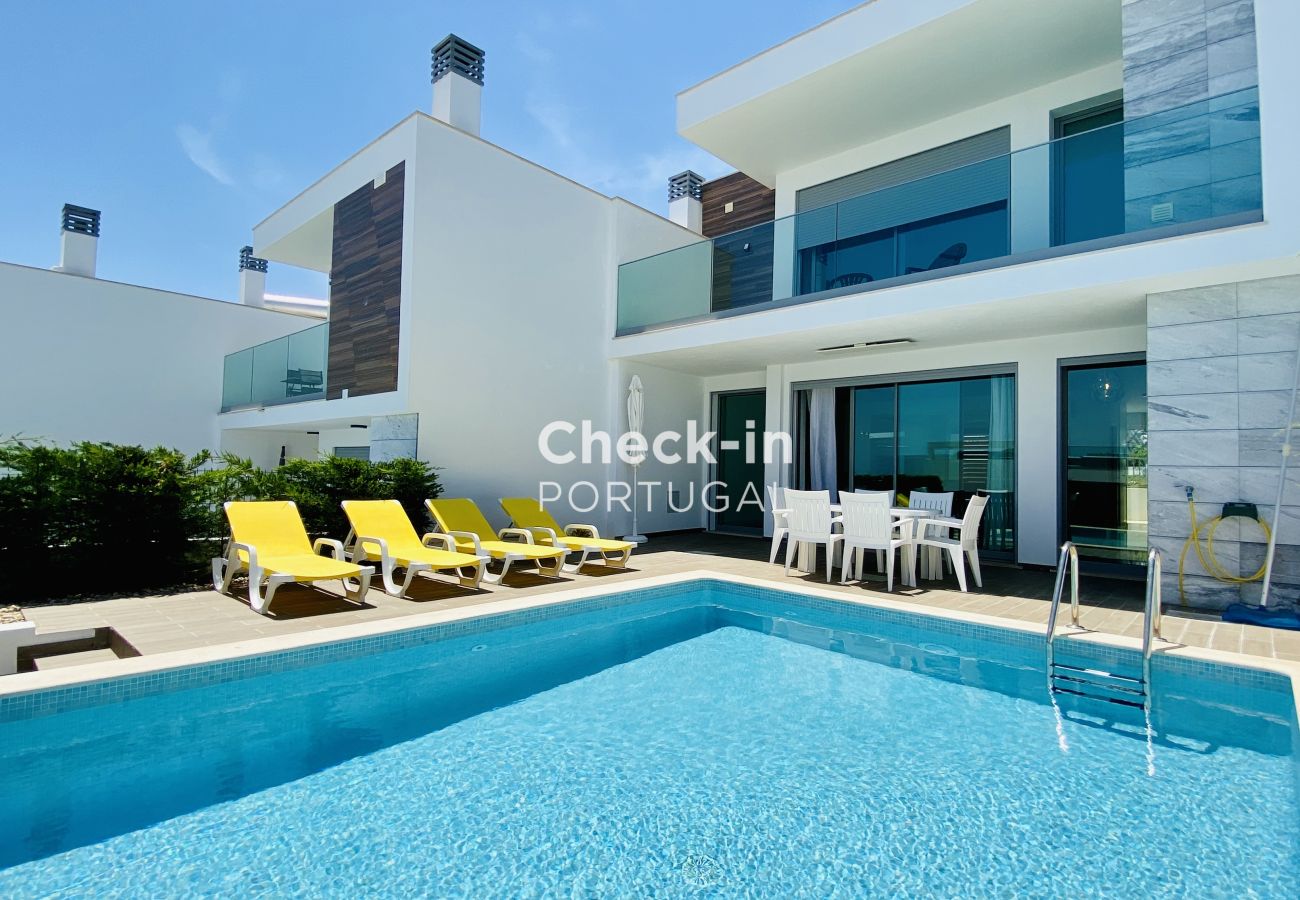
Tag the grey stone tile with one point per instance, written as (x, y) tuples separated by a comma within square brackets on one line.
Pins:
[(382, 451), (1180, 95), (1227, 553), (1259, 485), (1144, 15), (1269, 296), (1264, 371), (1185, 135), (1232, 81), (1171, 72), (1232, 18), (1231, 55), (1198, 412), (1240, 195), (1200, 591), (1263, 409), (1169, 38), (1194, 305), (1193, 448), (1260, 447), (1194, 340), (1206, 375), (1191, 205), (1212, 484), (393, 428), (1268, 334), (1234, 161), (1165, 176)]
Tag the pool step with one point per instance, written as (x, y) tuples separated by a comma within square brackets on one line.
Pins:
[(1097, 684)]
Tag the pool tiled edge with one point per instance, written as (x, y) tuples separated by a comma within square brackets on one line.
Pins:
[(45, 693)]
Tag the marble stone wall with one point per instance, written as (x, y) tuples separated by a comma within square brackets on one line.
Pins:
[(393, 437), (1220, 365), (1191, 108)]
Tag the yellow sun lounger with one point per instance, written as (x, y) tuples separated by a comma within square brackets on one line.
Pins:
[(382, 531), (462, 520), (529, 514), (267, 540)]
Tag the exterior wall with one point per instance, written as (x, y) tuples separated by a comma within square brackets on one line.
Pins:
[(1220, 372), (751, 203), (101, 361), (394, 437), (366, 288), (1037, 410)]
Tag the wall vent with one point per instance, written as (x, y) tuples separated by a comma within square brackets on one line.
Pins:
[(250, 262), (685, 184), (80, 220), (1162, 212), (457, 55)]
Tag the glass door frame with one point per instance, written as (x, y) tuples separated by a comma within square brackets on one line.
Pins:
[(715, 425), (899, 379), (1063, 367)]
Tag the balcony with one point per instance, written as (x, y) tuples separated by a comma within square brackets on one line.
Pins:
[(1188, 169), (286, 370)]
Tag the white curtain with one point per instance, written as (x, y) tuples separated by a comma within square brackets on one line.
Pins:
[(1002, 474), (821, 433)]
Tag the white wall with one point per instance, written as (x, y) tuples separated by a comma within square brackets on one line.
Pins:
[(1036, 361), (86, 359), (262, 446), (509, 314)]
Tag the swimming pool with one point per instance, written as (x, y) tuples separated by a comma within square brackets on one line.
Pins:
[(699, 738)]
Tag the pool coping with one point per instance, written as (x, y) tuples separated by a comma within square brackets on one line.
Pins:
[(92, 673)]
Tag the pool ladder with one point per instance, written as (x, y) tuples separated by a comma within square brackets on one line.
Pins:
[(1097, 684)]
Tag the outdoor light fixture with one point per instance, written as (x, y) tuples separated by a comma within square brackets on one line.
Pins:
[(865, 345)]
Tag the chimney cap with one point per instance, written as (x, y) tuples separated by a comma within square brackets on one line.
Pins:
[(81, 219), (455, 54), (250, 262), (685, 184)]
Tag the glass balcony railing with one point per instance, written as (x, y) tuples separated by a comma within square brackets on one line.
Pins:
[(286, 370), (1185, 169)]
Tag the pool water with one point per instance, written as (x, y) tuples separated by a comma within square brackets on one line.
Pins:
[(679, 749)]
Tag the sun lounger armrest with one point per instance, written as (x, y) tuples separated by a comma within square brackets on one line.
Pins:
[(232, 553), (522, 535), (579, 530), (541, 531), (469, 536), (359, 548), (335, 548), (436, 537)]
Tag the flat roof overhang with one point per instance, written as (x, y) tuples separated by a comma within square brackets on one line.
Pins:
[(885, 67)]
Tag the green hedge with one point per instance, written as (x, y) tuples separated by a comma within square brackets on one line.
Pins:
[(105, 518)]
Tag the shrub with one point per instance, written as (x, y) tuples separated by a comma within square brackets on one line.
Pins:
[(106, 518)]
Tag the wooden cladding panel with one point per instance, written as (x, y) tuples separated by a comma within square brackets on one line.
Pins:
[(366, 288), (753, 204)]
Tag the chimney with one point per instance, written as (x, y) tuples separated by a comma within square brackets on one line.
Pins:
[(458, 84), (684, 206), (252, 278), (80, 241)]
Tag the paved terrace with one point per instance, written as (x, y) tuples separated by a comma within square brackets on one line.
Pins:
[(159, 624)]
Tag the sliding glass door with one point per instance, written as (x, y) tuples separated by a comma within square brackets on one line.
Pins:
[(1104, 442), (943, 435)]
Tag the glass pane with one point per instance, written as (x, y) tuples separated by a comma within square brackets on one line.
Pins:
[(950, 240), (743, 480), (306, 361), (237, 379), (873, 438), (742, 268), (665, 288), (1089, 198), (270, 369), (855, 260), (1106, 457)]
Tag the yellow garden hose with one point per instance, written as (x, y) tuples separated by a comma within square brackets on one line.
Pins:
[(1205, 554)]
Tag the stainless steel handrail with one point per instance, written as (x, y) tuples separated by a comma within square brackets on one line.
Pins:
[(1069, 560), (1151, 613)]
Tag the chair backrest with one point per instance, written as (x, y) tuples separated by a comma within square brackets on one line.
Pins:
[(460, 514), (526, 512), (867, 515), (950, 257), (970, 522), (810, 511), (940, 503), (382, 519), (274, 527), (888, 495)]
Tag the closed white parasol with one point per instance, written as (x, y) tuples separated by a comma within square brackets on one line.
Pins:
[(635, 423)]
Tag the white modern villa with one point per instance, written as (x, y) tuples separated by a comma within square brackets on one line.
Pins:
[(1062, 273)]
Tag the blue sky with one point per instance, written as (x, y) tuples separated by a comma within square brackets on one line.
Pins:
[(188, 122)]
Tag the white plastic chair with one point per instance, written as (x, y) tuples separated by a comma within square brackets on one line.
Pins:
[(966, 542), (780, 517), (810, 522), (868, 525), (939, 503), (880, 554)]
